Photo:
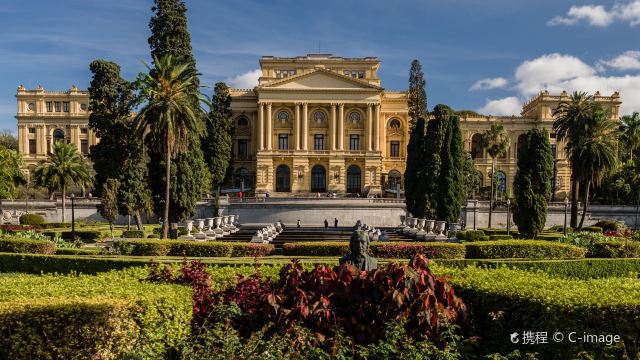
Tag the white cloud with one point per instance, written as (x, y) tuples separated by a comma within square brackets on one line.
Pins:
[(489, 83), (558, 72), (245, 81), (506, 106), (597, 15), (629, 60)]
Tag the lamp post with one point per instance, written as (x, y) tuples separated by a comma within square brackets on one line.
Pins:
[(73, 218), (566, 207), (508, 215)]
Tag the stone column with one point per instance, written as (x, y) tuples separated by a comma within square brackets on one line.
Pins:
[(367, 127), (341, 127), (268, 131), (23, 137), (260, 126), (305, 126), (376, 128), (41, 141), (332, 127), (296, 128)]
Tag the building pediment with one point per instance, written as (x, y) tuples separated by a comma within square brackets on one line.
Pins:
[(319, 79)]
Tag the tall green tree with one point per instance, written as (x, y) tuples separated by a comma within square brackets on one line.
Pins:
[(595, 153), (532, 184), (108, 206), (170, 36), (8, 140), (497, 142), (568, 124), (217, 145), (65, 166), (450, 192), (10, 174), (417, 96), (414, 179), (168, 117), (134, 196), (630, 134), (434, 143), (472, 177)]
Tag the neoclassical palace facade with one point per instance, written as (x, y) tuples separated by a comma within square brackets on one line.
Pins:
[(314, 123)]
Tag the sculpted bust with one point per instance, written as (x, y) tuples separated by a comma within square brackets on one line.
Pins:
[(359, 257)]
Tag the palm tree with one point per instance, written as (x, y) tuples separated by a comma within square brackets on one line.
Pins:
[(171, 111), (64, 166), (569, 125), (496, 141), (594, 155), (630, 126), (10, 175)]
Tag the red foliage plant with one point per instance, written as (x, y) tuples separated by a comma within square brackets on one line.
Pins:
[(324, 300)]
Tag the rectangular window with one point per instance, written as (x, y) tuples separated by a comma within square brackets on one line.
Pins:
[(32, 130), (395, 149), (360, 74), (318, 142), (243, 147), (65, 106), (58, 106), (83, 130), (49, 106), (283, 141), (354, 142), (346, 72), (84, 146), (32, 146)]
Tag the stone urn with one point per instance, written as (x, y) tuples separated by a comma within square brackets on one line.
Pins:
[(410, 225), (440, 227), (428, 227), (225, 225), (416, 228), (200, 235), (421, 232), (232, 225), (453, 229), (189, 227), (211, 234), (218, 222)]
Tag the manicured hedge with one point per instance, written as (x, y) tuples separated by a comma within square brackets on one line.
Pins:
[(395, 250), (550, 236), (504, 301), (28, 246), (145, 247), (31, 219), (56, 225), (532, 249), (501, 237), (471, 235), (10, 228), (109, 316), (595, 229), (65, 264), (133, 234), (615, 249), (610, 225), (86, 235), (573, 268), (71, 251)]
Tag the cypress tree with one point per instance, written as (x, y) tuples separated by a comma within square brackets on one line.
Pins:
[(414, 180), (417, 96), (450, 191), (532, 185), (434, 143), (169, 36)]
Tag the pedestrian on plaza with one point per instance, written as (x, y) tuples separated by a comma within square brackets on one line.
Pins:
[(240, 195), (318, 195), (267, 194), (326, 224), (298, 224), (335, 223)]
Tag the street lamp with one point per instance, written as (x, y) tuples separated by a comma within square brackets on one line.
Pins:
[(73, 218), (566, 208), (508, 215)]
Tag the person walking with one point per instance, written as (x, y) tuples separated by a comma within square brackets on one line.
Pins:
[(326, 224), (335, 223), (298, 224), (240, 195)]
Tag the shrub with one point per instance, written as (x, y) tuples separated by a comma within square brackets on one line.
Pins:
[(533, 249), (56, 225), (10, 229), (86, 235), (611, 225), (253, 250), (52, 234), (559, 229), (181, 231), (500, 237), (395, 250), (615, 249), (10, 245), (31, 219), (583, 239), (203, 249), (110, 316), (145, 247), (64, 264), (549, 236), (503, 301), (133, 234), (73, 251), (472, 235), (319, 248), (594, 229)]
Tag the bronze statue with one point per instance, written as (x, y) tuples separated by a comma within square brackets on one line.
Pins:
[(359, 256)]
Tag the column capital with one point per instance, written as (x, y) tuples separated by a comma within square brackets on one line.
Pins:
[(334, 104), (341, 105), (298, 103), (268, 104), (370, 104)]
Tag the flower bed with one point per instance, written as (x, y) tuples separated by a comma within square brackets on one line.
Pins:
[(144, 247), (395, 250)]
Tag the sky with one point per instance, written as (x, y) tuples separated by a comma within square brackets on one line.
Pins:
[(484, 55)]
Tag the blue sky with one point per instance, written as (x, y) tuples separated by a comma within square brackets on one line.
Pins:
[(488, 55)]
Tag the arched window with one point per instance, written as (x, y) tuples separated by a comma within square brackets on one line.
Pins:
[(243, 121), (395, 124), (394, 178), (354, 117), (283, 179), (354, 175), (318, 179), (521, 141), (319, 116), (283, 116), (58, 135), (476, 146)]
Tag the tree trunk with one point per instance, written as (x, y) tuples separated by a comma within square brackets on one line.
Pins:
[(64, 202), (585, 205), (138, 220), (111, 228), (165, 224), (217, 208), (1, 213), (575, 184), (493, 170)]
